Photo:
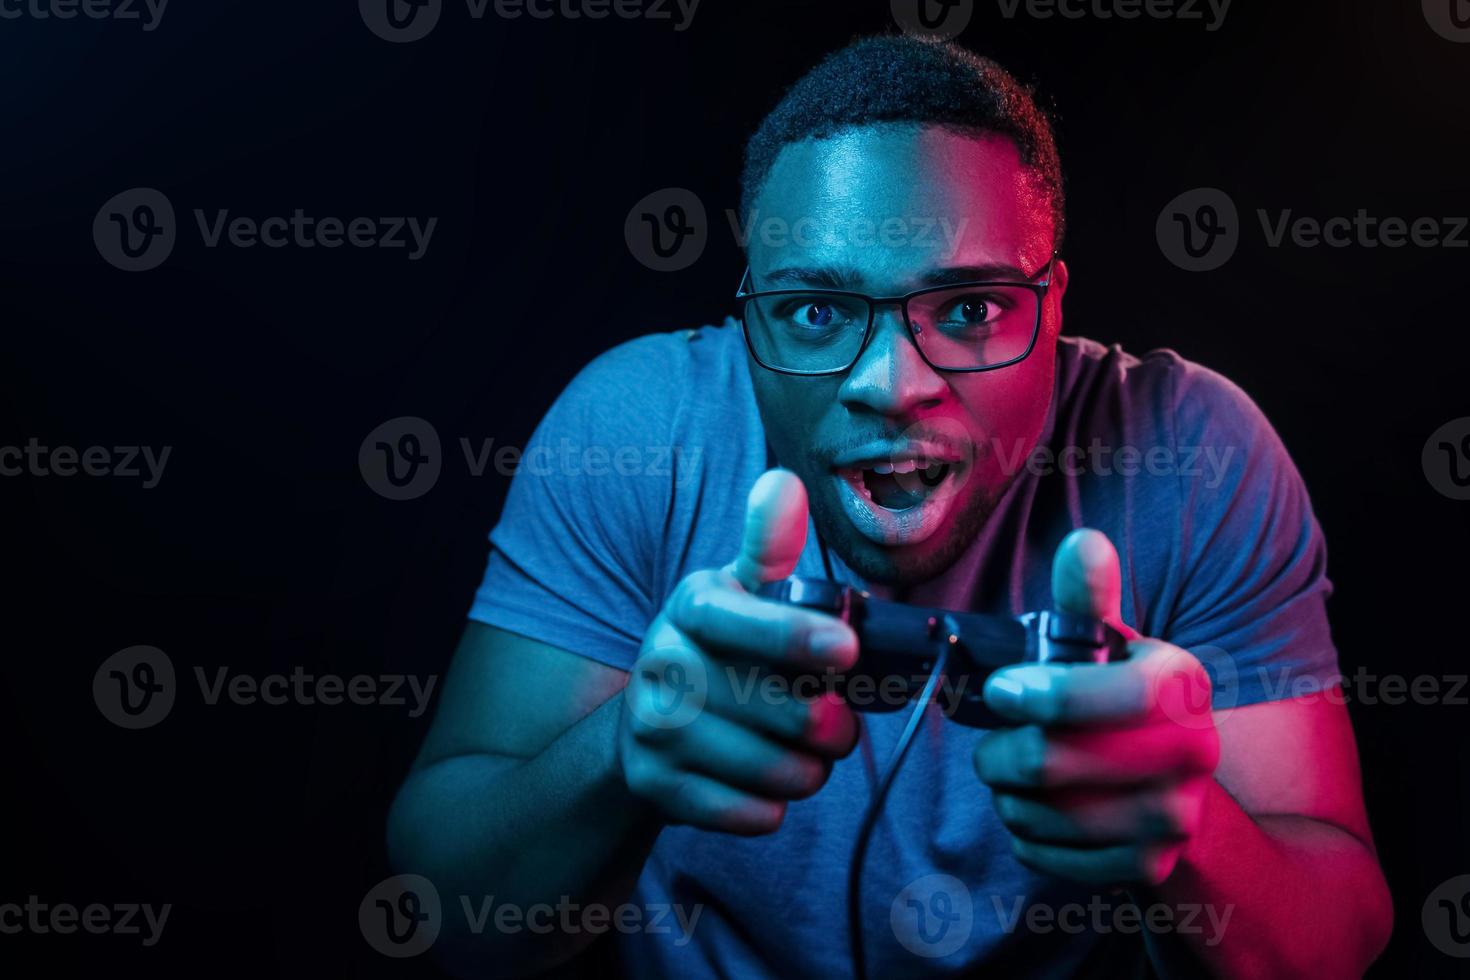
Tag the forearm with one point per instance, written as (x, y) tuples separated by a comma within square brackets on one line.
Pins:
[(527, 832), (1303, 898)]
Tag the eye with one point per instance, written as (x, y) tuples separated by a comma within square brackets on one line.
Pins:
[(973, 310), (816, 315)]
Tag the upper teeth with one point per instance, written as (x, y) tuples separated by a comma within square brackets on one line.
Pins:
[(901, 466)]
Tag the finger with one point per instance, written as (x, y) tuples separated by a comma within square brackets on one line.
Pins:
[(746, 760), (1157, 680), (698, 800), (712, 613), (769, 703), (1126, 864), (1033, 758), (1086, 580), (1095, 818), (775, 530), (1074, 694)]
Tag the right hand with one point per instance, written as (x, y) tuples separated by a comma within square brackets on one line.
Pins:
[(730, 757)]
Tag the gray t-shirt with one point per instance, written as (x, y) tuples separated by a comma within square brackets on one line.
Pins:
[(638, 476)]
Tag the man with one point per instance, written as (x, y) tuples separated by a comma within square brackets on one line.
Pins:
[(912, 391)]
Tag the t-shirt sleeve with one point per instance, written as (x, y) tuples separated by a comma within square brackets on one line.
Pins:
[(572, 557), (1252, 598)]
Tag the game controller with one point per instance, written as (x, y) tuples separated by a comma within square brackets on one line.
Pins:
[(898, 645)]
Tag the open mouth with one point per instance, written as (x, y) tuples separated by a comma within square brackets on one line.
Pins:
[(899, 486), (899, 501)]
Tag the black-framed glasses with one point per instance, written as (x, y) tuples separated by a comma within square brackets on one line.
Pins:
[(967, 326)]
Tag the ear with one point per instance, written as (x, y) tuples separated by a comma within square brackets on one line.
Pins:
[(1058, 289)]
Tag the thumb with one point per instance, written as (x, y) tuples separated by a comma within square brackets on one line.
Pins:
[(1086, 580), (775, 530)]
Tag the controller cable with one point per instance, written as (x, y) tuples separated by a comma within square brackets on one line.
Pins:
[(875, 807), (950, 636)]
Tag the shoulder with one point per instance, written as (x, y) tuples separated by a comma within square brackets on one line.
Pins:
[(1158, 391), (649, 384), (660, 366)]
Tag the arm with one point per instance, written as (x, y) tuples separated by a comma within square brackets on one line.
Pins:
[(547, 776), (517, 793), (1284, 839), (1282, 825), (1122, 776)]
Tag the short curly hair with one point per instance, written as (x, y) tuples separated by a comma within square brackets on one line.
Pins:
[(902, 79)]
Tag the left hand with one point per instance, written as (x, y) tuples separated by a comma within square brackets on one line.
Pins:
[(1104, 780)]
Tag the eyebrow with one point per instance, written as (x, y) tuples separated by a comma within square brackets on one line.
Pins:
[(848, 278)]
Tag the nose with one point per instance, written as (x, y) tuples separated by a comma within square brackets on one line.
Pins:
[(892, 378)]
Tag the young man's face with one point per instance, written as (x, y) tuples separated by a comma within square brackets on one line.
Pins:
[(885, 210)]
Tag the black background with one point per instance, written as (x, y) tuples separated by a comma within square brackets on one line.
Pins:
[(263, 548)]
